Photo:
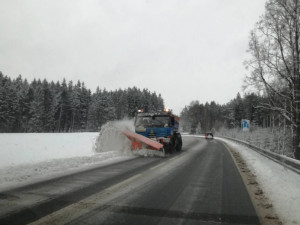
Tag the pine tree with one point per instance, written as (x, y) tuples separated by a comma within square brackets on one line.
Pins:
[(36, 110), (8, 104)]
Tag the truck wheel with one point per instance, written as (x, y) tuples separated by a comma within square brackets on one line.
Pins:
[(172, 146), (178, 146)]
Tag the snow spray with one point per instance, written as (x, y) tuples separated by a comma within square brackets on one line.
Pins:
[(111, 138)]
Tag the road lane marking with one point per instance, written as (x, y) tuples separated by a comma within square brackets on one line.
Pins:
[(173, 158), (77, 209), (164, 163), (118, 185), (159, 165)]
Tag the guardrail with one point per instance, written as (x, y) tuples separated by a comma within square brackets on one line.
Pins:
[(285, 161)]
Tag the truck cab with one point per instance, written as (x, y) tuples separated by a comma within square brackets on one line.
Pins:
[(161, 127)]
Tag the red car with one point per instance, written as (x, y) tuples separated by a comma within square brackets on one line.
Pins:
[(209, 135)]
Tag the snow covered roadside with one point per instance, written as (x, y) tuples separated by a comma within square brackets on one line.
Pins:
[(32, 157), (280, 185), (25, 148)]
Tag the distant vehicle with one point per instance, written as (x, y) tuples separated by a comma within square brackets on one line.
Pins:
[(209, 135)]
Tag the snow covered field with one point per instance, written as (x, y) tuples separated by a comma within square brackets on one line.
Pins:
[(17, 149), (31, 157), (281, 185)]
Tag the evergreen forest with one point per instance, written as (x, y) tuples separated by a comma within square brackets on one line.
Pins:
[(43, 106)]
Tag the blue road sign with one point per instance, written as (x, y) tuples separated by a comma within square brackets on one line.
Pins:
[(245, 125)]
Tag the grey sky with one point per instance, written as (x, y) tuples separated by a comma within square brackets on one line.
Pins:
[(184, 49)]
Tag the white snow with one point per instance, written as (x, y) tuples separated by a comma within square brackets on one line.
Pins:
[(104, 141), (281, 186), (20, 175), (32, 157), (27, 148)]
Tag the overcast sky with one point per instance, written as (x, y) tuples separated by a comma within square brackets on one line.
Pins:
[(184, 49)]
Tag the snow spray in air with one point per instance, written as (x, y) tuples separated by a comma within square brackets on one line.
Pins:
[(111, 138)]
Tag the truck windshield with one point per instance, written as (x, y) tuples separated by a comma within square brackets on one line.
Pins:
[(152, 121)]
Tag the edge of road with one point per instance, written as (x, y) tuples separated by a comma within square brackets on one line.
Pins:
[(262, 205), (60, 175), (285, 161)]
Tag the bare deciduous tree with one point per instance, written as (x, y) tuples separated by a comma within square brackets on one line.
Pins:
[(275, 63)]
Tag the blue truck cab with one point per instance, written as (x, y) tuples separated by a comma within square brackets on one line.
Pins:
[(160, 126)]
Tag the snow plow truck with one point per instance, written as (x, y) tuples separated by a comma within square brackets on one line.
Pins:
[(156, 131)]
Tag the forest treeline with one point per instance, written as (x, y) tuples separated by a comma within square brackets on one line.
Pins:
[(269, 130), (201, 118), (43, 106)]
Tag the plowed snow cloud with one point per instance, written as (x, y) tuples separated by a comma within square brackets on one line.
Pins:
[(111, 138)]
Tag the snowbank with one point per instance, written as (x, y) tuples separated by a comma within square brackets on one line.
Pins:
[(15, 176), (279, 184), (272, 139), (19, 149), (32, 157)]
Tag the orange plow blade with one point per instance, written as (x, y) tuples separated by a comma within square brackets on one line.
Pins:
[(140, 142)]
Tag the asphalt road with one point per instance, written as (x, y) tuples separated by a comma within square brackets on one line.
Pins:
[(200, 185)]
